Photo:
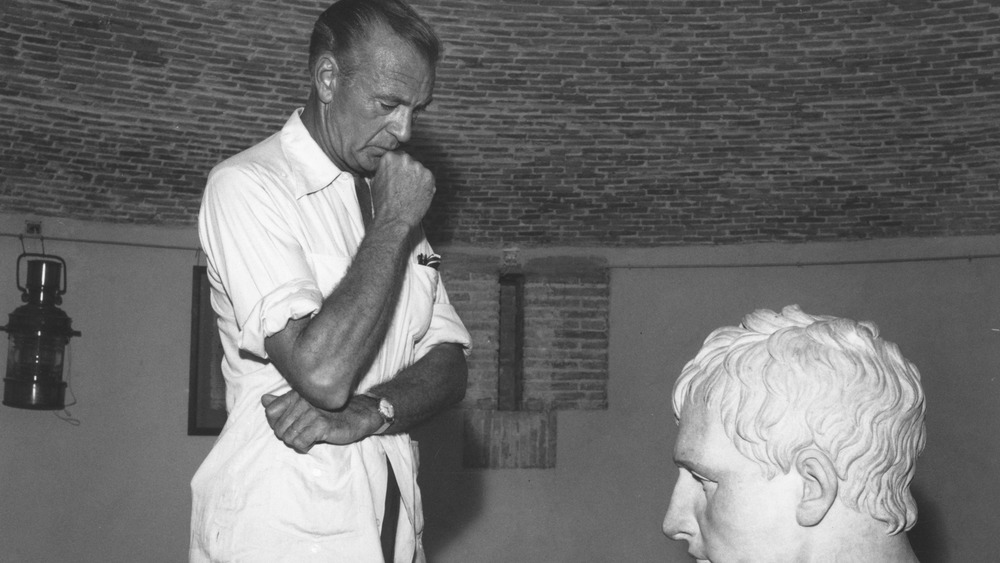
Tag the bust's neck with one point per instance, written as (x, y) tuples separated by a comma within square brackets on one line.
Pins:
[(894, 549), (867, 543)]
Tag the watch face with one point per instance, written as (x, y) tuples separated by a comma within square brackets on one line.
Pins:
[(385, 407)]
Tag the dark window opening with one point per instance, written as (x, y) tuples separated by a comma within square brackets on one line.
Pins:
[(510, 377)]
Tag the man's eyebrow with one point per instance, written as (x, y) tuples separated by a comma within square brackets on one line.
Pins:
[(392, 99)]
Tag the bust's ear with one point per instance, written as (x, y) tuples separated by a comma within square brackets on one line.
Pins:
[(819, 486)]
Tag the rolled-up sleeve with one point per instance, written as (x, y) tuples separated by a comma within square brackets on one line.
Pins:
[(294, 300)]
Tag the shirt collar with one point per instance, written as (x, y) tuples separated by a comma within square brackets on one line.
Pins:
[(312, 169)]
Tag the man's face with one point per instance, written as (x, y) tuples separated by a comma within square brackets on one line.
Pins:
[(723, 505), (373, 110)]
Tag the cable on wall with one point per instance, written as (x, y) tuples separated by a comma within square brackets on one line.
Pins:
[(105, 242), (969, 257)]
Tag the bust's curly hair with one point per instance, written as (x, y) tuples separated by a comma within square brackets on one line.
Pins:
[(790, 381)]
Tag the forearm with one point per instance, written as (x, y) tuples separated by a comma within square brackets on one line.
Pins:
[(322, 358), (430, 385)]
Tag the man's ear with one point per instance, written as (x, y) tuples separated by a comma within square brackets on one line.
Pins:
[(819, 486), (324, 75)]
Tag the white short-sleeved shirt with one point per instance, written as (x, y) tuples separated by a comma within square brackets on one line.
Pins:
[(280, 224)]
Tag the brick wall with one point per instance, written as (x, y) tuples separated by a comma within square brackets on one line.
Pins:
[(564, 122), (566, 337), (565, 359), (473, 287), (565, 332)]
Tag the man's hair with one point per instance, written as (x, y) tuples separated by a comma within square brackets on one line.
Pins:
[(348, 23), (791, 381)]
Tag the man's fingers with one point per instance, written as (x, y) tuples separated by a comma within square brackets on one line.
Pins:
[(306, 431), (300, 426), (291, 411), (306, 439), (275, 406), (402, 188), (272, 408)]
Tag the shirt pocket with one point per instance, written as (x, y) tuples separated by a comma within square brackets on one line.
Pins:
[(417, 300)]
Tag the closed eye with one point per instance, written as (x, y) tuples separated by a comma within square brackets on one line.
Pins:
[(701, 480)]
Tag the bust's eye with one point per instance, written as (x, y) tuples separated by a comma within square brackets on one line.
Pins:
[(703, 481)]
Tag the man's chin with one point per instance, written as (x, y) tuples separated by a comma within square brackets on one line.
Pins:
[(368, 164), (376, 153), (370, 159)]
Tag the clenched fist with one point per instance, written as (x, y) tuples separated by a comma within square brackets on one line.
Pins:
[(402, 189)]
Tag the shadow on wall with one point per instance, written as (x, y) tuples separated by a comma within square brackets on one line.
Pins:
[(427, 148), (926, 536), (452, 496)]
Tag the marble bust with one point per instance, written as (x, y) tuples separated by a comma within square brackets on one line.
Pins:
[(798, 437)]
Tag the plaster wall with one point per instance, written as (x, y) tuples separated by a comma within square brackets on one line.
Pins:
[(943, 315), (115, 487)]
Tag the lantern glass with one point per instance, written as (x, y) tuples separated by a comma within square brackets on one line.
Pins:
[(34, 371), (35, 357)]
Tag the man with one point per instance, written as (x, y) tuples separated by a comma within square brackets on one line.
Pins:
[(798, 439), (337, 330)]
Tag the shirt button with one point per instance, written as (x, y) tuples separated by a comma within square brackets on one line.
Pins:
[(317, 473), (315, 548)]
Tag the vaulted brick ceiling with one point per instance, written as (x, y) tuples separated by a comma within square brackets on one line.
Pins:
[(571, 122)]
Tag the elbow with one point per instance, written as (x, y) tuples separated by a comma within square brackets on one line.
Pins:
[(461, 379), (459, 395), (331, 399), (319, 385), (315, 371), (325, 391)]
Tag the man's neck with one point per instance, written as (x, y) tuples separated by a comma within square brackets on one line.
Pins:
[(313, 120)]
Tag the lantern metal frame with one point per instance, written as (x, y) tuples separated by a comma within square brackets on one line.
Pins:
[(38, 334)]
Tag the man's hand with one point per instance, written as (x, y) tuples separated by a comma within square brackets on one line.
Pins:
[(301, 426), (402, 189)]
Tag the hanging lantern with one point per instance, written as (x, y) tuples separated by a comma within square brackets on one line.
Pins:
[(39, 332)]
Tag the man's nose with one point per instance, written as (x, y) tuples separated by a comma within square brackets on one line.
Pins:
[(401, 124), (679, 523)]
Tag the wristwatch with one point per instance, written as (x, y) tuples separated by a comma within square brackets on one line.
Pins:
[(386, 410)]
